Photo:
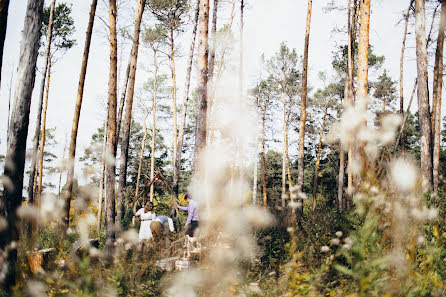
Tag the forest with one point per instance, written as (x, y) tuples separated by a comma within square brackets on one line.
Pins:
[(196, 155)]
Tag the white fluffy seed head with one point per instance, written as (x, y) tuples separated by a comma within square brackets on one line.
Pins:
[(403, 175), (325, 249)]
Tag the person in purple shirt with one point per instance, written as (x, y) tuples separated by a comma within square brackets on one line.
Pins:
[(192, 215)]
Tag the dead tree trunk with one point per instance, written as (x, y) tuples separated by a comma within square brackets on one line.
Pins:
[(128, 115), (201, 104), (176, 173), (77, 112), (303, 105), (15, 156), (34, 157), (318, 159), (438, 83), (110, 165), (422, 93), (42, 134), (4, 5)]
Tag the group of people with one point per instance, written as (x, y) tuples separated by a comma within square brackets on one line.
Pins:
[(151, 223)]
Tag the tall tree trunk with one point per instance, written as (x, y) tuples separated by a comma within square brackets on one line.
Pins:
[(102, 179), (263, 162), (4, 5), (174, 96), (33, 168), (318, 159), (128, 115), (363, 65), (349, 87), (213, 41), (122, 102), (438, 83), (341, 176), (152, 155), (285, 143), (403, 48), (242, 8), (9, 98), (176, 173), (303, 105), (15, 156), (201, 104), (42, 134), (141, 157), (422, 93), (77, 111), (110, 165), (363, 49), (254, 180)]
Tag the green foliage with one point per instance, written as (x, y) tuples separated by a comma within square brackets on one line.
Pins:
[(63, 27), (170, 13)]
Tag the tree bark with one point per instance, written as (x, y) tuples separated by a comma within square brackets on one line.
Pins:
[(42, 134), (285, 143), (438, 83), (318, 159), (176, 173), (303, 105), (77, 111), (363, 66), (110, 165), (254, 180), (363, 49), (349, 94), (242, 8), (201, 104), (17, 134), (341, 178), (128, 115), (403, 48), (422, 93), (122, 102), (4, 5), (174, 96), (213, 41), (33, 168), (152, 155)]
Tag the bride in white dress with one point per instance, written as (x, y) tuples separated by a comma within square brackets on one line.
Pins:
[(147, 215)]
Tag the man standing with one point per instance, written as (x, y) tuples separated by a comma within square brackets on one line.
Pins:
[(192, 215)]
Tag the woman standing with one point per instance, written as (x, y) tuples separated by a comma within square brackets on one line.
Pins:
[(147, 215)]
